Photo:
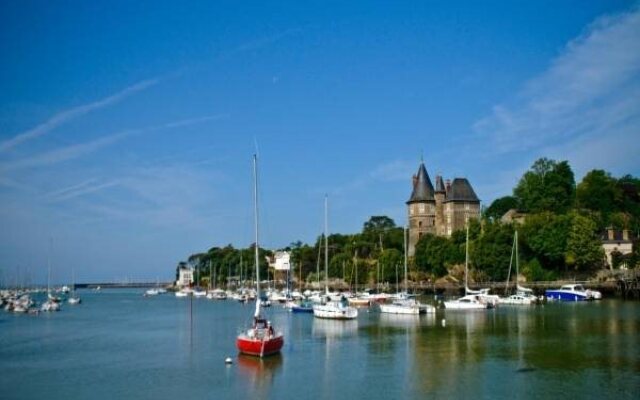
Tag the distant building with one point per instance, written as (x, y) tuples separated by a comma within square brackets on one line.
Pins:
[(281, 261), (441, 210), (619, 241), (185, 276), (513, 215)]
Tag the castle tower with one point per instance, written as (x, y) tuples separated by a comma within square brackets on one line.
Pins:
[(421, 208), (440, 196), (461, 204)]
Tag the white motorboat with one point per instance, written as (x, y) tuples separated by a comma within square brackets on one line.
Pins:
[(468, 302), (199, 293), (151, 292)]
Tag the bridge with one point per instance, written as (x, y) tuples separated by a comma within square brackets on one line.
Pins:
[(122, 285)]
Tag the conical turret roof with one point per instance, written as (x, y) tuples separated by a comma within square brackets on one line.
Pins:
[(422, 186), (439, 184), (461, 190)]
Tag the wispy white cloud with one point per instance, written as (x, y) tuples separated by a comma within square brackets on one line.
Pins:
[(86, 187), (590, 91), (78, 150), (73, 113)]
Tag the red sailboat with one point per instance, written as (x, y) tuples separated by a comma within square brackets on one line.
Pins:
[(260, 339)]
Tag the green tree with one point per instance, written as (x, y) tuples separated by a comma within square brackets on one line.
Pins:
[(544, 236), (500, 206), (490, 254), (584, 250), (547, 186), (599, 191), (388, 260), (431, 254)]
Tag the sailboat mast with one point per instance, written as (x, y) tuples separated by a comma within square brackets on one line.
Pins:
[(326, 245), (405, 259), (355, 264), (466, 261), (517, 260), (255, 200), (49, 266)]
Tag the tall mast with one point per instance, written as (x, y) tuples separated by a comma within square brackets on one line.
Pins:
[(517, 261), (326, 246), (466, 261), (404, 236), (255, 200), (49, 266), (355, 265)]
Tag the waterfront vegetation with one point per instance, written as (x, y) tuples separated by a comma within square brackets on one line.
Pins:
[(560, 237)]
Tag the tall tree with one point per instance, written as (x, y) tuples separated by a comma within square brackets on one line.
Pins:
[(544, 236), (547, 186), (599, 191), (584, 250)]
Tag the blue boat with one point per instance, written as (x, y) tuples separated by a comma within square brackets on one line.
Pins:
[(573, 292)]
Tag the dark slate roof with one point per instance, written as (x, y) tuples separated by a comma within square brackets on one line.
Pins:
[(461, 190), (422, 187), (439, 184)]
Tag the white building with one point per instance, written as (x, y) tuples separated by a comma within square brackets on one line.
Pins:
[(618, 241), (281, 261), (185, 276)]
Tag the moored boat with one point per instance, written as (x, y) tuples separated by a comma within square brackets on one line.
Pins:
[(332, 309), (572, 292), (260, 339), (469, 302)]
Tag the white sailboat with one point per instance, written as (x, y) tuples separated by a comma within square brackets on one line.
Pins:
[(357, 300), (332, 309), (523, 296), (404, 304), (473, 299), (50, 304), (74, 299), (482, 293)]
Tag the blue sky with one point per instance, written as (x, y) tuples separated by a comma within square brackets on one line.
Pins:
[(127, 128)]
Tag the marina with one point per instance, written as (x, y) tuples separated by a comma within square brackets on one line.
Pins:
[(118, 343)]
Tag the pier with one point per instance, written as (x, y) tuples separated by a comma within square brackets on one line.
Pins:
[(628, 285)]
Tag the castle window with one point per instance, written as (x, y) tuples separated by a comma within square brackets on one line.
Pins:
[(466, 206), (422, 208), (411, 210), (419, 224)]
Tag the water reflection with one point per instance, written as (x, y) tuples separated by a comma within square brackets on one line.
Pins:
[(331, 328), (258, 374), (406, 322)]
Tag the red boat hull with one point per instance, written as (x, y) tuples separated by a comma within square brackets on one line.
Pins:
[(260, 347)]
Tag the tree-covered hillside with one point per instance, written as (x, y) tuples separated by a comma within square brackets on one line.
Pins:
[(560, 236)]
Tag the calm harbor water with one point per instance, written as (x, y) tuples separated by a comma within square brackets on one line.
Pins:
[(118, 344)]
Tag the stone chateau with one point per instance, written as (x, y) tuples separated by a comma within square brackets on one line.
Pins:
[(440, 211)]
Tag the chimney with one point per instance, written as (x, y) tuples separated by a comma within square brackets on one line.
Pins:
[(415, 180), (625, 234), (610, 233), (448, 184)]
